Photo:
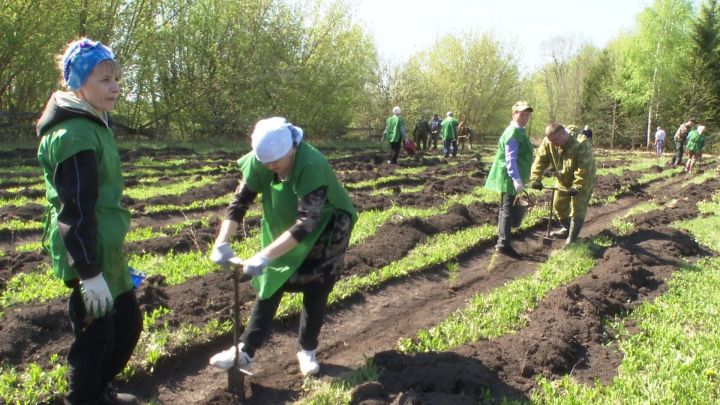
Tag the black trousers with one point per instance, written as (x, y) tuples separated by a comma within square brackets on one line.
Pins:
[(505, 219), (102, 347), (315, 279), (312, 316), (394, 151)]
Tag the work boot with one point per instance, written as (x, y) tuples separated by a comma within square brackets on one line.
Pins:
[(508, 251), (561, 233), (226, 358), (575, 226), (308, 363), (112, 397)]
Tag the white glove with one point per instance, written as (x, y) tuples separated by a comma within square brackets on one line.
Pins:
[(221, 254), (519, 186), (97, 297), (255, 265)]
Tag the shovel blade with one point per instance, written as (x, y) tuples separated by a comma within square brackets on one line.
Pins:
[(547, 241)]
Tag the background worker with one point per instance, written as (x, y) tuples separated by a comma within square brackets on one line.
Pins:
[(680, 138), (306, 225), (510, 171), (571, 159), (87, 222), (695, 145), (395, 132), (449, 132), (660, 136), (421, 132), (435, 130)]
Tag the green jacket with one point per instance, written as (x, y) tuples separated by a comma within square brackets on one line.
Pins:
[(695, 142), (574, 163), (449, 129), (498, 178), (394, 128), (310, 171), (61, 141)]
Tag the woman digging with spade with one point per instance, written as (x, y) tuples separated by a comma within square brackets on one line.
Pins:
[(306, 225)]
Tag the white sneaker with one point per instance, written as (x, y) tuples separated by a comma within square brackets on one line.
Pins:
[(226, 358), (308, 364)]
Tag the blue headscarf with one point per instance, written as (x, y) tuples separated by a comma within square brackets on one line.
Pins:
[(80, 59)]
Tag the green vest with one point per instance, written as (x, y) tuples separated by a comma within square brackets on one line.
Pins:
[(113, 220), (393, 128), (449, 129), (498, 179), (695, 141), (310, 171)]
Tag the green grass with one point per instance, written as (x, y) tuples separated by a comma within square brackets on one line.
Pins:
[(18, 201), (207, 204), (20, 225), (38, 286), (502, 310), (643, 208), (29, 247), (673, 359), (36, 384), (674, 356), (622, 227), (182, 186)]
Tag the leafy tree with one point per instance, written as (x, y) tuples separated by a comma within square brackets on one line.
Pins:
[(705, 75)]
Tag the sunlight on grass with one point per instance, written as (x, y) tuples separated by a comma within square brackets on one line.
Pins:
[(501, 311)]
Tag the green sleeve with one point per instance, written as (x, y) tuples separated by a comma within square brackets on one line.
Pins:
[(585, 164), (542, 161)]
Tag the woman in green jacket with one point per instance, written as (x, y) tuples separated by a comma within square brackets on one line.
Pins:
[(86, 222), (306, 225), (694, 147)]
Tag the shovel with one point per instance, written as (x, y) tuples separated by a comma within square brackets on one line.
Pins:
[(547, 240), (236, 375)]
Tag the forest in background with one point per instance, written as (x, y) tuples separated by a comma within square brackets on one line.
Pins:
[(201, 69)]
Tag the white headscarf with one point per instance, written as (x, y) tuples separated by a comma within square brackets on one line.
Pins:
[(273, 138)]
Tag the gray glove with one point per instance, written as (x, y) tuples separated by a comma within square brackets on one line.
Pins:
[(221, 254), (255, 265), (97, 297)]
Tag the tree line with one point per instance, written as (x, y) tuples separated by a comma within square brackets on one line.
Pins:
[(196, 69)]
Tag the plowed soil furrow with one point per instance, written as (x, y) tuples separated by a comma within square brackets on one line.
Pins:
[(373, 322)]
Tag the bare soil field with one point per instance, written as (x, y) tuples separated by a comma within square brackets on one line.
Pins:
[(565, 333)]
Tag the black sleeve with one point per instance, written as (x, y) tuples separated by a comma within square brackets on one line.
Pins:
[(76, 181), (309, 208), (240, 203)]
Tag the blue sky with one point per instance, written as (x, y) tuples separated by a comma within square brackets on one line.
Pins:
[(402, 27)]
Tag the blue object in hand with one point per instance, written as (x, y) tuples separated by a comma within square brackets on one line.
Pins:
[(136, 276)]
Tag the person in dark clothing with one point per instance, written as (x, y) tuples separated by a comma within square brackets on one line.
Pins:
[(87, 224), (420, 133), (435, 127)]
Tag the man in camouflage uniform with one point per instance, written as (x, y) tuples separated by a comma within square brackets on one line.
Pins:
[(571, 158), (680, 139), (421, 132)]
